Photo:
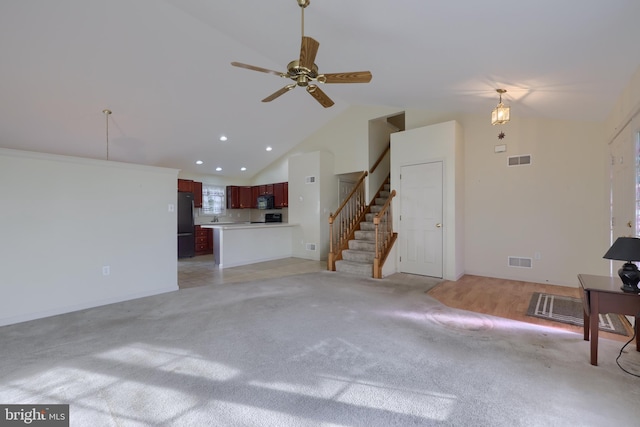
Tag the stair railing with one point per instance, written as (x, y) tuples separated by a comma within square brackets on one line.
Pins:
[(383, 222), (343, 222), (384, 153)]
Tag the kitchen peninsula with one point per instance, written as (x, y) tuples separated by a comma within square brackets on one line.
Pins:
[(237, 244)]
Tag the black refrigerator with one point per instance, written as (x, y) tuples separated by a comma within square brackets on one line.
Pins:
[(186, 229)]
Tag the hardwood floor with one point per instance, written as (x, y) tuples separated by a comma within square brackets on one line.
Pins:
[(506, 298)]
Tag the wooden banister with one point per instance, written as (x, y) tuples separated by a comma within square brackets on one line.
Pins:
[(375, 165), (384, 235), (343, 223)]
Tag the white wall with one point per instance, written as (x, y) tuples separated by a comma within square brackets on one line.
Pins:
[(626, 108), (64, 218), (555, 208), (440, 142), (346, 137), (379, 139), (311, 204)]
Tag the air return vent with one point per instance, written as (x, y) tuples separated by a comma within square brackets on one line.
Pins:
[(520, 160), (310, 179), (519, 262), (311, 246)]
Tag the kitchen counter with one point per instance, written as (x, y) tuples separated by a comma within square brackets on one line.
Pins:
[(245, 243), (236, 225)]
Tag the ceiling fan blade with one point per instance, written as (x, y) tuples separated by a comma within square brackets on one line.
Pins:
[(350, 77), (308, 51), (279, 92), (320, 96), (254, 68)]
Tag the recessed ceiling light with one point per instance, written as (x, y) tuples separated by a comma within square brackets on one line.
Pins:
[(199, 162), (269, 148), (243, 168), (218, 169), (223, 138)]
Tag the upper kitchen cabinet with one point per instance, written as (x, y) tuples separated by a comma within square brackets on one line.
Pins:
[(280, 194), (246, 198), (264, 189), (191, 186), (197, 194), (185, 185), (255, 192), (233, 197), (239, 197)]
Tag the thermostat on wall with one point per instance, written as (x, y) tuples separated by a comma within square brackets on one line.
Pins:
[(500, 148)]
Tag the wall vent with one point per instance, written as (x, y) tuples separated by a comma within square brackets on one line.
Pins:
[(520, 262), (310, 179), (519, 160), (311, 246)]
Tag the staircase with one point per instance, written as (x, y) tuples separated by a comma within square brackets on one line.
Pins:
[(359, 258)]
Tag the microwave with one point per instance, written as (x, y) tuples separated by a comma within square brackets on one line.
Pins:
[(265, 201)]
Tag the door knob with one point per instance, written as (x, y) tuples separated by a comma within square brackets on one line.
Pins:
[(438, 225), (629, 224)]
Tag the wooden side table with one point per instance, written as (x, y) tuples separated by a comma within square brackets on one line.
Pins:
[(602, 294)]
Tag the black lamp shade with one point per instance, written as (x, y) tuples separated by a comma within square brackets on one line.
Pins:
[(626, 249)]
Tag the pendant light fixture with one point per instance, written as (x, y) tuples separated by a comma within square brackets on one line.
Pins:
[(107, 113), (500, 114)]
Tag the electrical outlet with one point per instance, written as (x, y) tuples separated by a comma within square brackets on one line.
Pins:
[(172, 207), (106, 270)]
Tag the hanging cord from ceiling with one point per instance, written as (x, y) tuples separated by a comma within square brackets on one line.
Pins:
[(107, 113)]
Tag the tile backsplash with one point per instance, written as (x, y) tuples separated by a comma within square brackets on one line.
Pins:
[(239, 215)]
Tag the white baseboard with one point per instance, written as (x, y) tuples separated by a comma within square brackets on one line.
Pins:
[(88, 304)]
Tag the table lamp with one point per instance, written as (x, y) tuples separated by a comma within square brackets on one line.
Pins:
[(626, 249)]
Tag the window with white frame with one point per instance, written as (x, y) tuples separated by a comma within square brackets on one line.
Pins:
[(213, 199)]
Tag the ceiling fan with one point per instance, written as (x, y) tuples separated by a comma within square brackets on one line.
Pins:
[(304, 72)]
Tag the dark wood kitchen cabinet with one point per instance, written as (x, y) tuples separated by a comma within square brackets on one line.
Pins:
[(281, 194), (233, 197), (286, 194), (197, 194), (191, 186), (255, 192), (239, 197), (204, 240), (185, 185), (246, 196)]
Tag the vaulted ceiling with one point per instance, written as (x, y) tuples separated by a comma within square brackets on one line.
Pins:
[(163, 68)]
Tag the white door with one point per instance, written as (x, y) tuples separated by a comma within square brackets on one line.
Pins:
[(421, 227)]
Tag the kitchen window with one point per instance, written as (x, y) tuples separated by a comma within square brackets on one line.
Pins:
[(213, 200)]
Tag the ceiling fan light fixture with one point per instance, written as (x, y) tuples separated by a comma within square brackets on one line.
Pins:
[(304, 72), (501, 114)]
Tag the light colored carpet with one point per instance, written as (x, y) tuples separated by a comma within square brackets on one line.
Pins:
[(318, 349)]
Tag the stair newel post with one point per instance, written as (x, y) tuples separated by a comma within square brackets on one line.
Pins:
[(331, 265), (377, 274)]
